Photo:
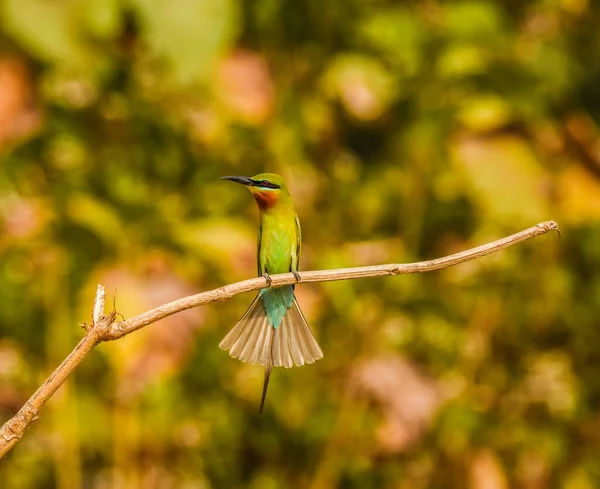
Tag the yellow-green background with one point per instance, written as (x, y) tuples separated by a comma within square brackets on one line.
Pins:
[(406, 131)]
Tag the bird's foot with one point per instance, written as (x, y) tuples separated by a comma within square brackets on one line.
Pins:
[(297, 275), (268, 279)]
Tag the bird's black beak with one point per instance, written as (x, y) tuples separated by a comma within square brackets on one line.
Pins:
[(243, 180)]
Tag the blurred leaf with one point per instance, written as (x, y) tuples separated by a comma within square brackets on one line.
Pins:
[(460, 60), (189, 35), (399, 35), (54, 39), (484, 113), (471, 19), (104, 17), (96, 216), (506, 180), (362, 84)]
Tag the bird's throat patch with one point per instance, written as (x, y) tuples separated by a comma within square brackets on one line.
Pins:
[(266, 199)]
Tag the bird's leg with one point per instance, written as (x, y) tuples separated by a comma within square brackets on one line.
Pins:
[(268, 279), (297, 275)]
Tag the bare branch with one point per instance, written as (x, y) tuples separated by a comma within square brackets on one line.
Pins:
[(107, 329)]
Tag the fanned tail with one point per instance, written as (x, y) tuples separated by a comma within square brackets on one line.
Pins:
[(254, 340), (293, 341), (250, 339)]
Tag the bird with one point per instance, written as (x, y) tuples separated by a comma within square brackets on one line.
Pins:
[(273, 331)]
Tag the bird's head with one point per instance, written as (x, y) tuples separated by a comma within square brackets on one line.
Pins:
[(267, 188)]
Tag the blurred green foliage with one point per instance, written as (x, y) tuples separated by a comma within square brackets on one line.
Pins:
[(406, 130)]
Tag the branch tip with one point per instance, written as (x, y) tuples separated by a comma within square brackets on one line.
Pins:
[(551, 226)]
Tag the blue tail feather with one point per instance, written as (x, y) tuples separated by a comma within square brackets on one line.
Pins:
[(277, 300)]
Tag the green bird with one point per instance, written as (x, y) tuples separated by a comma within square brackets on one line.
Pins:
[(273, 331)]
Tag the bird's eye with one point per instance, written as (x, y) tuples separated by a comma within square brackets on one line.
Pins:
[(264, 183)]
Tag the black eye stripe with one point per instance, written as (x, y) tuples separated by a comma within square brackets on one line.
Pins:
[(264, 184)]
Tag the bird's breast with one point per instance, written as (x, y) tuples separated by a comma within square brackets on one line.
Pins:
[(279, 243)]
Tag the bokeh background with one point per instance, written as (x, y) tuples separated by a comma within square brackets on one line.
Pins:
[(407, 130)]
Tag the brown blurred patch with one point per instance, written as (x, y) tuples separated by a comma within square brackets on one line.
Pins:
[(12, 369), (19, 118), (23, 218), (533, 470), (582, 138), (486, 472), (408, 400), (245, 86)]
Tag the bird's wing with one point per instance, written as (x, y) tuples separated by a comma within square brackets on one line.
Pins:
[(296, 256), (261, 269)]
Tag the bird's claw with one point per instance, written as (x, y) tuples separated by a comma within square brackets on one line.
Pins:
[(297, 275), (268, 279)]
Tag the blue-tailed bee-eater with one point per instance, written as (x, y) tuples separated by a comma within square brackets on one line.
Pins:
[(273, 331)]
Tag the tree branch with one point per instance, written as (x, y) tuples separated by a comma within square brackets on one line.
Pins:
[(107, 329)]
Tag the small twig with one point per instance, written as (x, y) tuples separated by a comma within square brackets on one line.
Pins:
[(107, 329), (98, 311)]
